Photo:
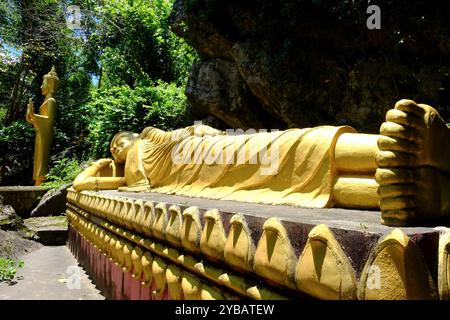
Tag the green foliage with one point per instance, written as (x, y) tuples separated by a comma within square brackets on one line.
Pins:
[(8, 269), (2, 114), (138, 46), (63, 171), (122, 108), (9, 21), (16, 153)]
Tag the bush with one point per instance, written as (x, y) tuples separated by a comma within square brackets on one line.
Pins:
[(8, 269), (64, 171), (122, 108), (16, 154)]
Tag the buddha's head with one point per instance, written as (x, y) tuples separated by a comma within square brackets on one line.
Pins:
[(121, 145), (50, 83)]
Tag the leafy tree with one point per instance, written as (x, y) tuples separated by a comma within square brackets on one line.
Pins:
[(137, 46), (123, 108), (64, 171)]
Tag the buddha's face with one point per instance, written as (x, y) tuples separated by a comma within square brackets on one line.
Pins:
[(120, 148), (45, 88)]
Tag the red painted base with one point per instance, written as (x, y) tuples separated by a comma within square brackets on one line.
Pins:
[(112, 280)]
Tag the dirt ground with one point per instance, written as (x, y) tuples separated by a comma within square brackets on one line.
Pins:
[(13, 246)]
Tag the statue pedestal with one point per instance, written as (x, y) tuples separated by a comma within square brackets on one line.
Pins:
[(202, 248)]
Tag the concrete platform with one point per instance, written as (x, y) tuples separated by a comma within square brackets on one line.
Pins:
[(357, 231), (290, 251), (356, 220)]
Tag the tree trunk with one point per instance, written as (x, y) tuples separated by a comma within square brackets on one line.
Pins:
[(12, 109)]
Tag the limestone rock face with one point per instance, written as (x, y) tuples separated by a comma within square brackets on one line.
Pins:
[(279, 64), (207, 39), (216, 88)]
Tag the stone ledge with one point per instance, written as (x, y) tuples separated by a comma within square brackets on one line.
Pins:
[(334, 217), (230, 283), (50, 230), (283, 245), (358, 231)]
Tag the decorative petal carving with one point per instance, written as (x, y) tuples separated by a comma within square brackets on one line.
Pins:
[(191, 230), (274, 256), (444, 265), (173, 228), (323, 270), (213, 238), (173, 277), (160, 221), (396, 270), (239, 247)]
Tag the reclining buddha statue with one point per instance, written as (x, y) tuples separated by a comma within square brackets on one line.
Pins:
[(404, 171)]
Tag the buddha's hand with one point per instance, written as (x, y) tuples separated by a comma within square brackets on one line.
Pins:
[(30, 111)]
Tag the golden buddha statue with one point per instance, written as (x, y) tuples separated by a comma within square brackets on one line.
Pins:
[(43, 125), (405, 170)]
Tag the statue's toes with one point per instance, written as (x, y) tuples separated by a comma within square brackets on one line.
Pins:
[(397, 203), (395, 130), (388, 176), (397, 190), (395, 159), (410, 120), (410, 107), (386, 143), (397, 218)]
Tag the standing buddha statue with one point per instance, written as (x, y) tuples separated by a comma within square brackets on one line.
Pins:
[(43, 125)]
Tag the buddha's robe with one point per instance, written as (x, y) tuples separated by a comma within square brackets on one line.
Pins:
[(43, 124), (293, 167)]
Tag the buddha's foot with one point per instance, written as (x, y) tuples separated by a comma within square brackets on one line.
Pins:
[(412, 196), (413, 166)]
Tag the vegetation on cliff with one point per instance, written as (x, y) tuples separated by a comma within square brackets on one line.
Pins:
[(304, 63)]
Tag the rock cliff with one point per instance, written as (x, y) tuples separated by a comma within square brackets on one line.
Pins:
[(280, 64)]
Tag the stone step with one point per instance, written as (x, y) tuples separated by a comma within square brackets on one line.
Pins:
[(49, 230)]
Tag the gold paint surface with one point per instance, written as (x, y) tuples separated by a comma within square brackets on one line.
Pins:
[(396, 270), (274, 256), (239, 247), (213, 238), (323, 270)]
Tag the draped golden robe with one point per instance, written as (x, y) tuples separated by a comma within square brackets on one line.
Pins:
[(293, 167)]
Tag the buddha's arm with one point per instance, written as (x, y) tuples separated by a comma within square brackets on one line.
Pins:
[(35, 119), (90, 178)]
